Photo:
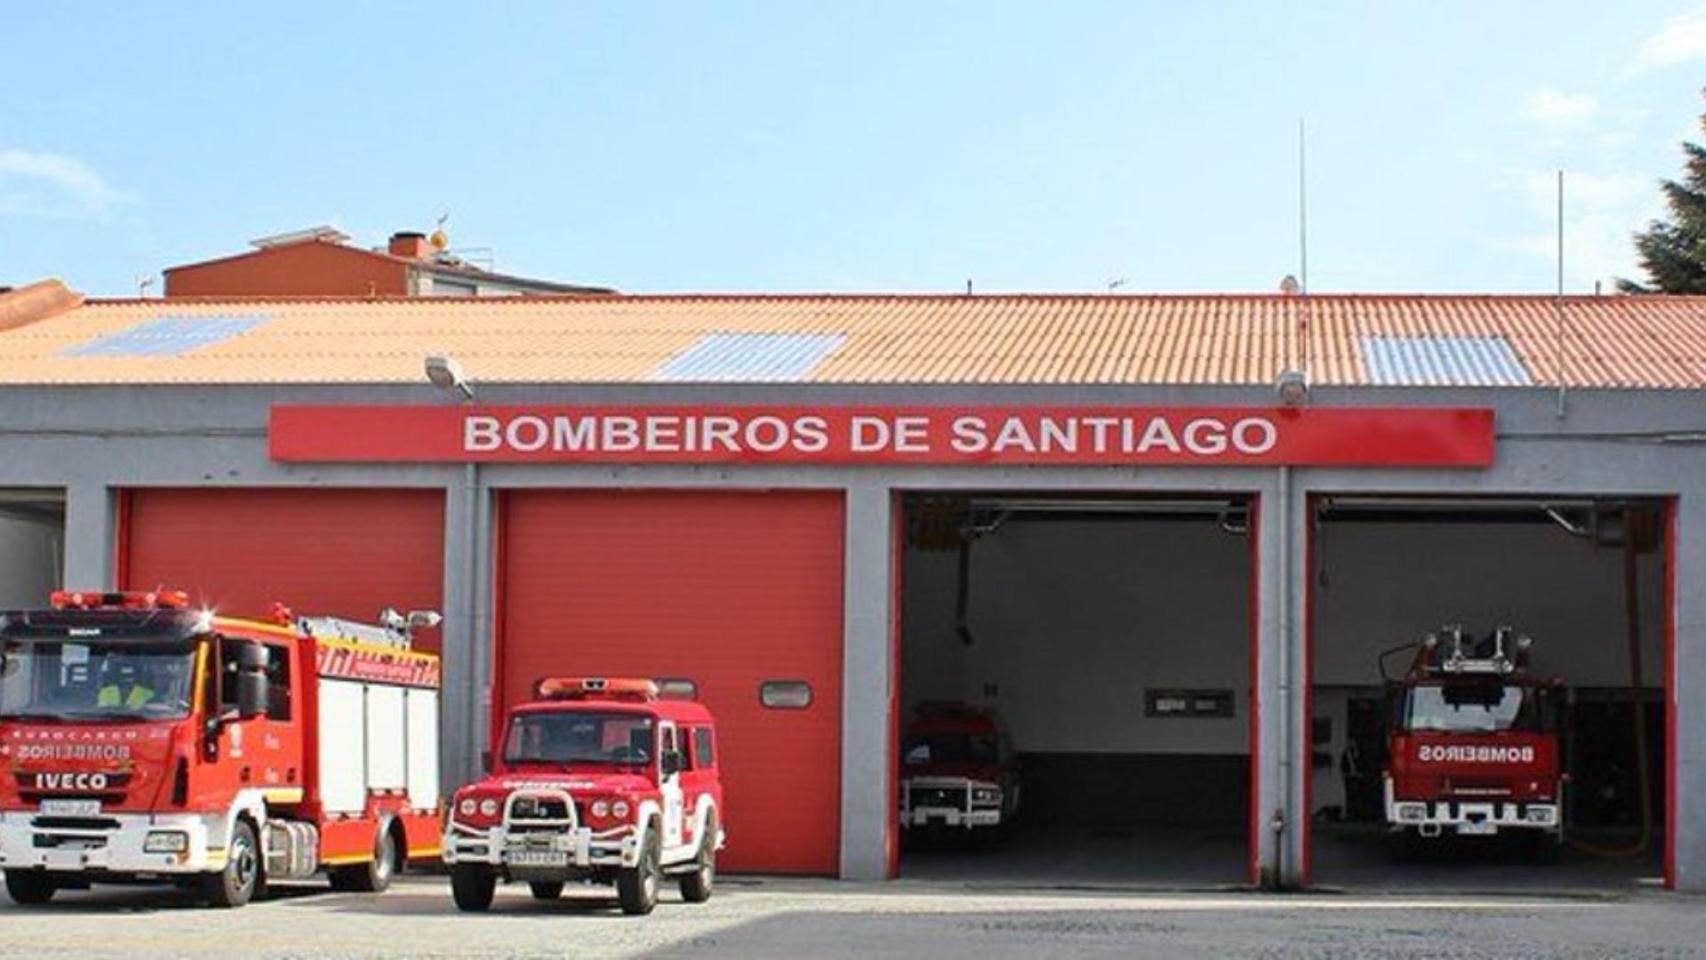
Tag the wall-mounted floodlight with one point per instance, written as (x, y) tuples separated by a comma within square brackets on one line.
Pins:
[(1292, 387), (446, 374)]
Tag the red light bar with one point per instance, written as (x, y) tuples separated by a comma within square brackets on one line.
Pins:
[(595, 688), (125, 600)]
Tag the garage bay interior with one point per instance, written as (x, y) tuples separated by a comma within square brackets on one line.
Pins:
[(32, 546), (1112, 638), (1584, 581)]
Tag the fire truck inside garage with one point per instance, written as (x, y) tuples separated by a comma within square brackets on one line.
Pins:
[(1579, 588), (1111, 636)]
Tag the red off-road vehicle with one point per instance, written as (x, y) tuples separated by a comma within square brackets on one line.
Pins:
[(598, 781), (958, 769)]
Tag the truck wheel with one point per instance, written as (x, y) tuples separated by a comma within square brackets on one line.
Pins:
[(546, 889), (472, 886), (696, 886), (375, 875), (29, 887), (637, 887), (238, 883)]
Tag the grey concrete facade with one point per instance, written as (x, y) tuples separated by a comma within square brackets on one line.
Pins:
[(94, 441)]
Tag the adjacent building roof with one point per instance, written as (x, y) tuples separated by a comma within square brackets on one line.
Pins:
[(319, 261), (1610, 341)]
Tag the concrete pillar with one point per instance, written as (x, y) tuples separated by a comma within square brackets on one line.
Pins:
[(1276, 855), (1688, 697), (467, 633), (1291, 713), (91, 536), (867, 686)]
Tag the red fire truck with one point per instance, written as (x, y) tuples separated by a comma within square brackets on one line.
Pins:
[(143, 740), (1474, 747), (599, 781)]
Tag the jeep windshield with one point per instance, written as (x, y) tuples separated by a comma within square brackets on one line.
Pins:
[(565, 737), (1476, 708), (951, 747), (96, 680)]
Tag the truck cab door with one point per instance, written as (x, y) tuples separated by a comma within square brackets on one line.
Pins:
[(669, 784)]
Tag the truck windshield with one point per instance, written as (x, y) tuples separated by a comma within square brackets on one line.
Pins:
[(565, 737), (1485, 710), (951, 747), (72, 680)]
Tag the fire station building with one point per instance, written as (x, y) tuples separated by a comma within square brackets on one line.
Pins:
[(1172, 541)]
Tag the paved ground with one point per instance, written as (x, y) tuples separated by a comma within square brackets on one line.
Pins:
[(760, 919), (1351, 859)]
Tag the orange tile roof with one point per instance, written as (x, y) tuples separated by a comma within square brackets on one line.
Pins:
[(1081, 339)]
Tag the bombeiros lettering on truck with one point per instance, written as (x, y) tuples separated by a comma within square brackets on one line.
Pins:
[(144, 740), (1459, 753), (598, 780)]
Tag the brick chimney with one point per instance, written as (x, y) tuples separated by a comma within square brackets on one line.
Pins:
[(410, 244)]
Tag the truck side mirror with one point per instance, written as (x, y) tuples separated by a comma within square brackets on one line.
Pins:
[(670, 762), (252, 682)]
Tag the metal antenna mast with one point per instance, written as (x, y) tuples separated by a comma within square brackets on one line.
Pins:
[(1559, 363), (1303, 238)]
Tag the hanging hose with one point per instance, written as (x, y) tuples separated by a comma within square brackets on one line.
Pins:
[(962, 593), (1637, 701)]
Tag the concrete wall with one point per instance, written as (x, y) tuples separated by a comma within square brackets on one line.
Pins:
[(91, 440), (1382, 584), (1074, 619)]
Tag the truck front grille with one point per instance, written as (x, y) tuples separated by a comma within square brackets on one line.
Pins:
[(938, 796), (539, 808), (74, 823)]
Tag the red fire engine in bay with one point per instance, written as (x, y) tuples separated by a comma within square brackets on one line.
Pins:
[(598, 781), (143, 740), (1474, 745)]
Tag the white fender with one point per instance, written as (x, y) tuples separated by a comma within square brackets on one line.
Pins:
[(251, 801)]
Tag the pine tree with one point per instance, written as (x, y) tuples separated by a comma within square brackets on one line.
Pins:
[(1673, 252)]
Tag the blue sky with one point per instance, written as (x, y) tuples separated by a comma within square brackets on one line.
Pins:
[(807, 146)]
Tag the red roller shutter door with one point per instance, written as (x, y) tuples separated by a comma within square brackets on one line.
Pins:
[(726, 589), (343, 552)]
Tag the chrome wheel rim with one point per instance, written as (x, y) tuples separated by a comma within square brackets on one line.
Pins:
[(243, 864)]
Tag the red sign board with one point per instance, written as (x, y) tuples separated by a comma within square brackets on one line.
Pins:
[(1002, 435)]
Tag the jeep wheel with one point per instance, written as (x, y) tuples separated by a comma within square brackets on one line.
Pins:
[(546, 889), (29, 887), (473, 886), (240, 881), (375, 875), (637, 887), (696, 886)]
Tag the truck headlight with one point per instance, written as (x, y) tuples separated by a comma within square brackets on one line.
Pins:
[(619, 809), (489, 807), (986, 795), (1412, 812), (166, 841), (1544, 815), (467, 806)]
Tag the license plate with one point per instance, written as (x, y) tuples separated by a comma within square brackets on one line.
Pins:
[(538, 858), (1477, 829), (71, 808)]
